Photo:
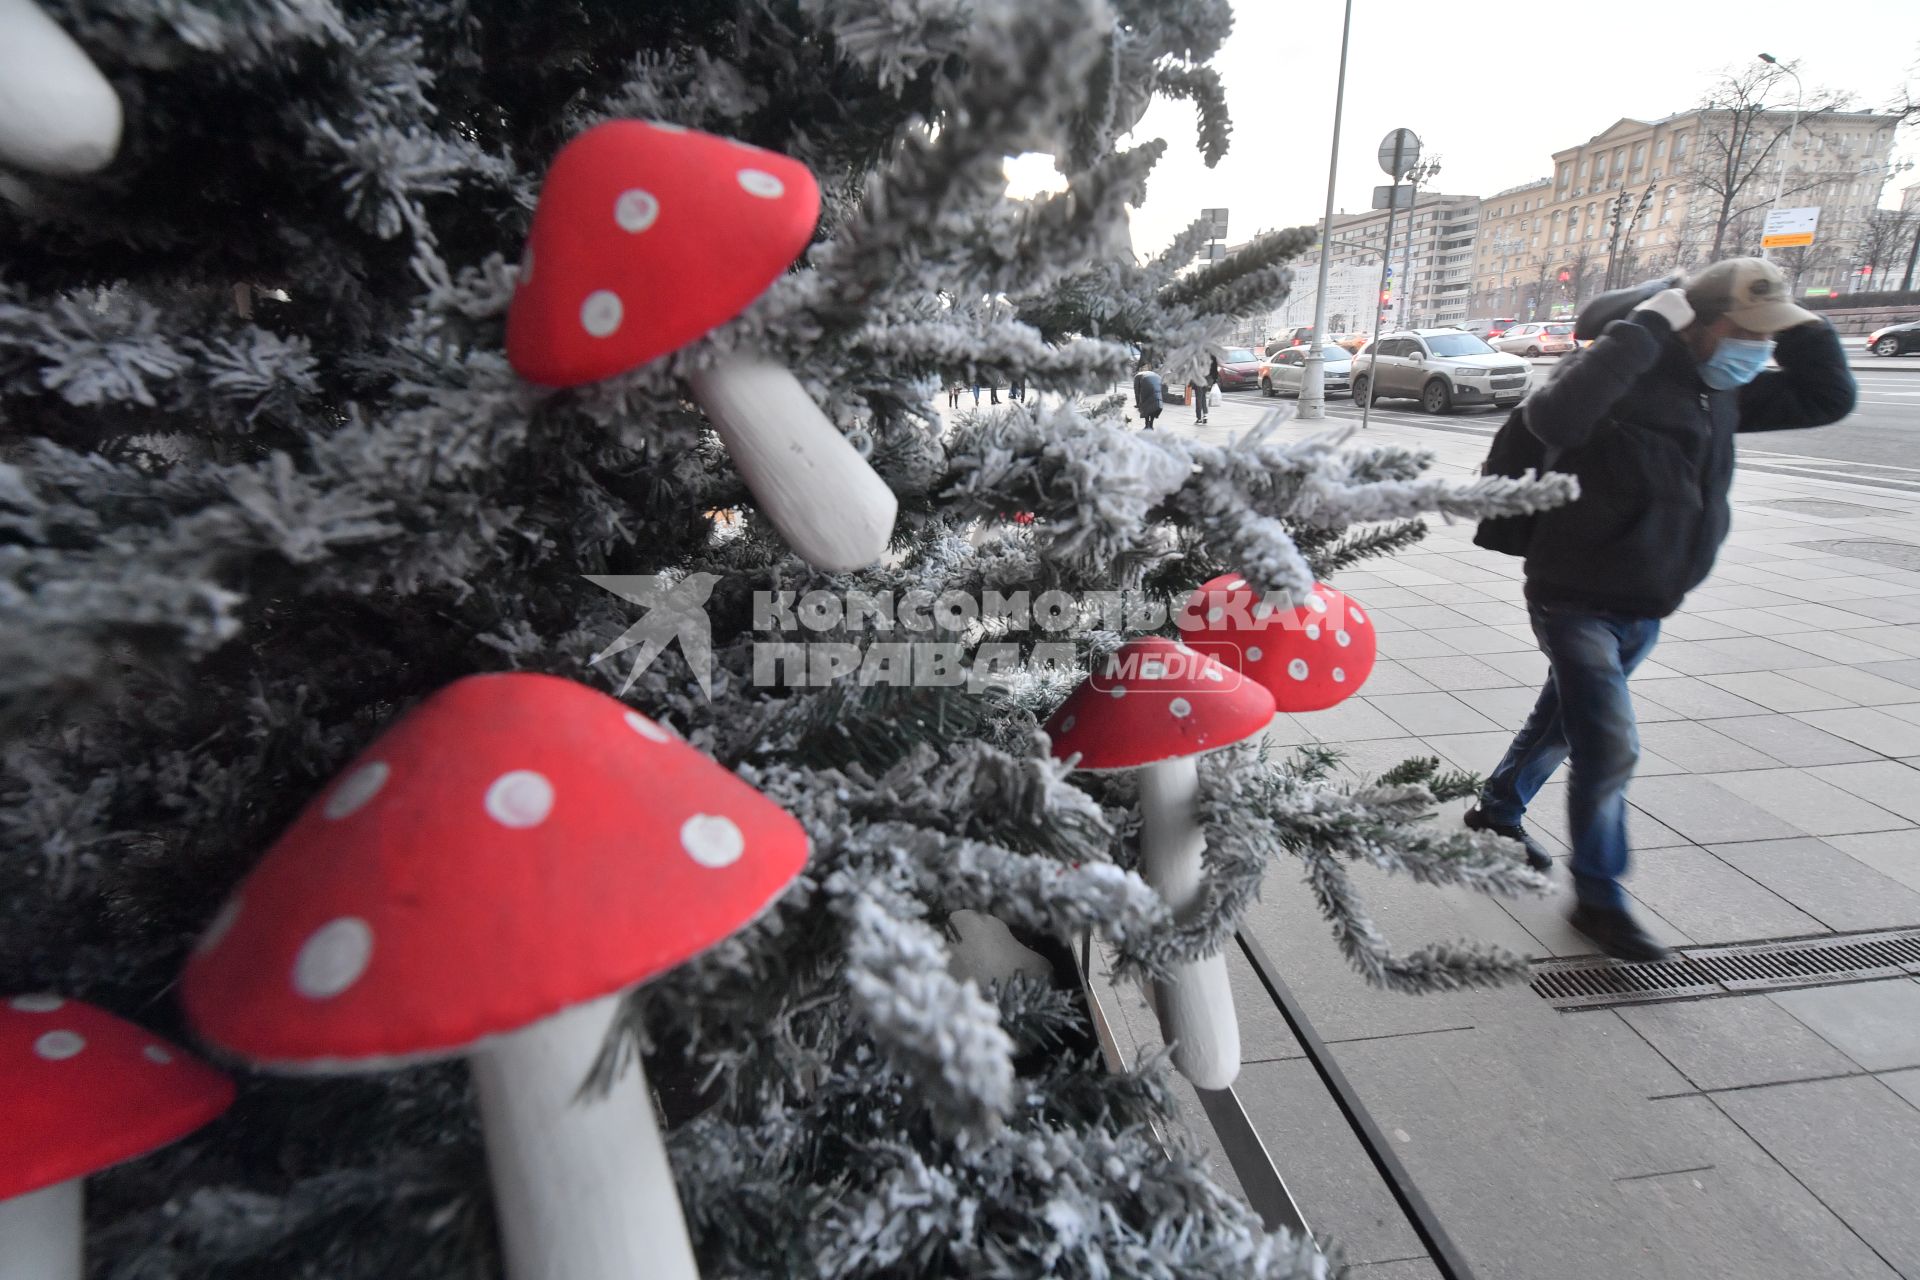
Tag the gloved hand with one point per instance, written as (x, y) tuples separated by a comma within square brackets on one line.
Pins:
[(1670, 305)]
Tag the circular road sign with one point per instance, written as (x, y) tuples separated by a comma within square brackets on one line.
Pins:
[(1407, 145)]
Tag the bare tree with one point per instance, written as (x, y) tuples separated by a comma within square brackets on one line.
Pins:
[(1740, 147), (1884, 242)]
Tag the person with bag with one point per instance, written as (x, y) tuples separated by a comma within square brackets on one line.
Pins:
[(1147, 395), (1644, 419)]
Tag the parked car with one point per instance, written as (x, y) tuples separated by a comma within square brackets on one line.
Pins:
[(1239, 369), (1489, 328), (1441, 368), (1286, 371), (1536, 338), (1895, 339), (1352, 342)]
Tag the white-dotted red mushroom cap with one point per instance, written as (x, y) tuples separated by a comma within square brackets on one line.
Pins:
[(515, 845), (81, 1090), (646, 237), (1309, 657), (1156, 699)]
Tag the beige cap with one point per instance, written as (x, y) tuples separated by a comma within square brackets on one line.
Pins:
[(1751, 291)]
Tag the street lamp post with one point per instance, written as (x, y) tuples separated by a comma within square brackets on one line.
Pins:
[(1780, 173), (1313, 378)]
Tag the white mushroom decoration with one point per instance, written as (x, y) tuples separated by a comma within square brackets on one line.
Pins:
[(486, 879), (1155, 707), (58, 114)]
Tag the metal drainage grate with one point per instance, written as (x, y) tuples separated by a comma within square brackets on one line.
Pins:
[(1698, 972), (1901, 555)]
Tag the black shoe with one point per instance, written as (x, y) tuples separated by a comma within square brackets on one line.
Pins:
[(1537, 856), (1617, 933)]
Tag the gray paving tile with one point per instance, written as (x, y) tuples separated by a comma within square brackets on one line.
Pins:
[(1422, 617), (1394, 677), (1875, 730), (1734, 595), (1506, 707), (1721, 1044), (1480, 641), (1827, 883), (1700, 748), (1741, 1217), (1899, 670), (1367, 758), (1900, 639), (1776, 691), (1789, 741), (1385, 597), (1839, 646), (1424, 714), (1814, 806), (1855, 1144), (1474, 752), (1860, 685), (1458, 673), (1887, 783), (1877, 1024), (1732, 622), (1693, 699), (1351, 721), (1545, 920), (1901, 610), (1710, 900), (1904, 1083), (1821, 615), (1399, 1269), (1339, 1193), (1285, 731), (1705, 813), (1494, 613), (1697, 626), (1894, 854), (1400, 645), (1726, 657)]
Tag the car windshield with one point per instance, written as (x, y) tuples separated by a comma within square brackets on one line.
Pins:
[(1457, 344), (1559, 328), (1240, 355)]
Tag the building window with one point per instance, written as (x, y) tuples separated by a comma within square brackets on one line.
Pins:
[(1639, 154), (1679, 146), (1659, 148)]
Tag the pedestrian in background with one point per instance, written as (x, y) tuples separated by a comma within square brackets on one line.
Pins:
[(976, 395), (1147, 398), (953, 395), (1645, 419)]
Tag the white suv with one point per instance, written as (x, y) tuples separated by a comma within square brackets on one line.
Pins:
[(1441, 368)]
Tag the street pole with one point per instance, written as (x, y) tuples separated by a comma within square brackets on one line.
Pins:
[(1780, 173), (1379, 308), (1313, 379)]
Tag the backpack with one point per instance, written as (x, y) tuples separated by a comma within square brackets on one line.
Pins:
[(1514, 452)]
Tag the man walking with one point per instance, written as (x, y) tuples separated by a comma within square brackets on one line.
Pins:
[(1645, 418), (1147, 395)]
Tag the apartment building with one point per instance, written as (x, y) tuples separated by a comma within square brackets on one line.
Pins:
[(1351, 287), (1635, 201), (1437, 288)]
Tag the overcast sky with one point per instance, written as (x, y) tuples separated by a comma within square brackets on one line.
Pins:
[(1492, 89)]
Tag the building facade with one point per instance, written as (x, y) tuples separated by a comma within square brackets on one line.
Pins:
[(1432, 284), (1350, 290), (1644, 198)]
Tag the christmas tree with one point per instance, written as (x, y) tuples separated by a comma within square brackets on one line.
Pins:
[(268, 480)]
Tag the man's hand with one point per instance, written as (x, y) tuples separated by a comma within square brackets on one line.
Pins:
[(1670, 305)]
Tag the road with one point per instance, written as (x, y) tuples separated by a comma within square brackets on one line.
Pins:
[(1878, 444)]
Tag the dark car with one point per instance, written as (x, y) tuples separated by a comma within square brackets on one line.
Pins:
[(1239, 370), (1895, 339)]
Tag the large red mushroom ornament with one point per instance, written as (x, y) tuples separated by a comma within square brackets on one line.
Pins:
[(486, 879), (647, 237), (58, 114), (1155, 707), (81, 1091), (1310, 656)]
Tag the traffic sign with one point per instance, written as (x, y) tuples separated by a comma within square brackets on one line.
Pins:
[(1399, 152), (1218, 219), (1790, 228)]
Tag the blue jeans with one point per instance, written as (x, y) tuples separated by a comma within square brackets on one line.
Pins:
[(1584, 712)]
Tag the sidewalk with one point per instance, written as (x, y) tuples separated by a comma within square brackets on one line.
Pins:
[(1749, 1137)]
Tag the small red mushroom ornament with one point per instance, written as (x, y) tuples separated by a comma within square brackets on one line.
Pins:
[(1155, 706), (1310, 657), (486, 879), (81, 1091), (647, 237)]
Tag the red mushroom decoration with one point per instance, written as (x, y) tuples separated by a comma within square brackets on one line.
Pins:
[(1155, 707), (647, 237), (1309, 657), (81, 1091), (486, 879)]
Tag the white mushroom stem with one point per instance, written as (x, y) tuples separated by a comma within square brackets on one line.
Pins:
[(58, 114), (581, 1184), (41, 1232), (1196, 1004), (831, 507)]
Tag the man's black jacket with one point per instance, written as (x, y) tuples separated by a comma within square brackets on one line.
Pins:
[(1652, 446)]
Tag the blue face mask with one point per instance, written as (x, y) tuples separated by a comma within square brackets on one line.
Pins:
[(1736, 362)]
